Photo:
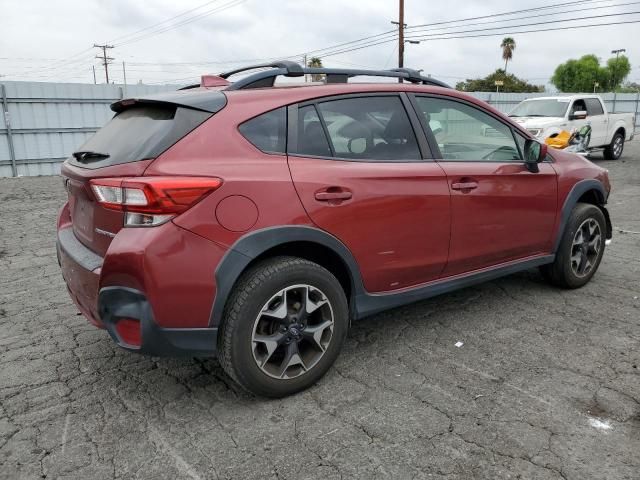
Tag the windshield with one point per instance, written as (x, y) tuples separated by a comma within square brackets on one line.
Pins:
[(541, 108)]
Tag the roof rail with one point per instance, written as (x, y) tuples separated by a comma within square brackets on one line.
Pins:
[(266, 78)]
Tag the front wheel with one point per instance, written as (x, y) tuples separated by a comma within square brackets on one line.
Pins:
[(615, 148), (283, 326), (581, 248)]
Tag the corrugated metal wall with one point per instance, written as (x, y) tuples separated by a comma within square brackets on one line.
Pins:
[(47, 121), (44, 122)]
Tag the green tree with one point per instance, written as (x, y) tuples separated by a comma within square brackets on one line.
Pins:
[(315, 62), (619, 69), (582, 75), (508, 45), (487, 84)]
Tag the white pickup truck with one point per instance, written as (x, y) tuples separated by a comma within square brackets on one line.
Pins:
[(544, 116)]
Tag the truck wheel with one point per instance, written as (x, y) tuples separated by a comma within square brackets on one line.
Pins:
[(283, 326), (614, 149), (580, 250)]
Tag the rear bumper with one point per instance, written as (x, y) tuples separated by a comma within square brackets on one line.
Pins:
[(104, 307), (81, 272), (115, 303)]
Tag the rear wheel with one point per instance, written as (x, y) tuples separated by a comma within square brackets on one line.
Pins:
[(615, 148), (283, 327), (580, 250)]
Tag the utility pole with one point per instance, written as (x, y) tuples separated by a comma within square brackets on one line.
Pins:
[(93, 67), (401, 27), (105, 60), (615, 75), (124, 76)]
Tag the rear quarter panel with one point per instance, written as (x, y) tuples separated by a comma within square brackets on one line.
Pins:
[(217, 149)]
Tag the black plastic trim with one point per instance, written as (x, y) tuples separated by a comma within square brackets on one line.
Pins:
[(69, 243), (579, 189), (363, 304), (370, 304), (121, 302), (211, 101), (267, 78), (292, 69), (253, 244)]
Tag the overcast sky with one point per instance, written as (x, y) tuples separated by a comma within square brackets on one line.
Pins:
[(49, 40)]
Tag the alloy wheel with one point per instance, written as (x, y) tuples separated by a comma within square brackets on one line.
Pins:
[(617, 146), (292, 331), (585, 247)]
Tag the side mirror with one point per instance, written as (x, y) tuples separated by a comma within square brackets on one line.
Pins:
[(534, 153), (579, 115)]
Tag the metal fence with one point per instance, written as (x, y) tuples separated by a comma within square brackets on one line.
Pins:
[(43, 122)]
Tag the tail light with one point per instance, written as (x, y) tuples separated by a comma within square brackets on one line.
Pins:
[(151, 201)]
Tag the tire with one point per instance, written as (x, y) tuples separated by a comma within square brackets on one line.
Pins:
[(613, 151), (260, 338), (583, 237)]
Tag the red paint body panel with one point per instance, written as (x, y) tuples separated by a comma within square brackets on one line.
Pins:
[(81, 283), (509, 215), (174, 267), (217, 149), (396, 223)]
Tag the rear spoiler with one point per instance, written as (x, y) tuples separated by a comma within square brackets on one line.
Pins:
[(211, 101)]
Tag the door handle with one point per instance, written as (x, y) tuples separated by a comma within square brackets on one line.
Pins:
[(333, 193), (464, 185)]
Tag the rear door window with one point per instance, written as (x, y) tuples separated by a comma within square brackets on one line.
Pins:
[(267, 132), (138, 133), (375, 128), (594, 107), (311, 136)]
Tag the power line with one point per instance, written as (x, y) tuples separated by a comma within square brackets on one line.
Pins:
[(419, 37), (424, 38), (221, 8), (503, 14), (164, 21), (521, 18)]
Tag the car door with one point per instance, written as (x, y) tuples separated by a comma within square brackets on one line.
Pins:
[(500, 211), (598, 121), (358, 165)]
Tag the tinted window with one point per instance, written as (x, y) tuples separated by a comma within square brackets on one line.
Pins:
[(594, 107), (139, 133), (370, 128), (578, 106), (466, 133), (267, 132), (311, 137)]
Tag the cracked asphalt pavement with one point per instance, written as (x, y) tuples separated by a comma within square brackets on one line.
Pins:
[(546, 384)]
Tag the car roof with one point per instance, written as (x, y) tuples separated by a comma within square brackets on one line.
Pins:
[(563, 97)]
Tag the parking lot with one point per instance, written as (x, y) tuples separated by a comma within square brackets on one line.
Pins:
[(546, 384)]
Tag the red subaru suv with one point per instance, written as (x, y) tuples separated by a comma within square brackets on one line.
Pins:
[(253, 221)]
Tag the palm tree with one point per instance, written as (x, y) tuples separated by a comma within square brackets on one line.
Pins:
[(508, 45), (315, 62)]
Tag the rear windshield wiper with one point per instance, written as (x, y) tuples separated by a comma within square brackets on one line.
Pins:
[(86, 155)]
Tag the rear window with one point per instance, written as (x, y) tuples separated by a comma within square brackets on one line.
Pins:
[(139, 133), (267, 132)]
